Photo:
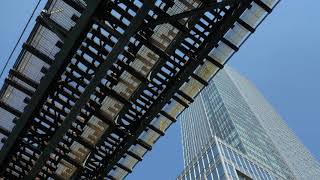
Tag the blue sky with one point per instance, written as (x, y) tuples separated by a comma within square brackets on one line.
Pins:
[(281, 59)]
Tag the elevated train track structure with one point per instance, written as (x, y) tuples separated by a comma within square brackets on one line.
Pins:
[(98, 82)]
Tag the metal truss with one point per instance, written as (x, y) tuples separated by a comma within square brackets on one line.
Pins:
[(118, 74)]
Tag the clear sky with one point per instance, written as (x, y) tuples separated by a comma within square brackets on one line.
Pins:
[(281, 59)]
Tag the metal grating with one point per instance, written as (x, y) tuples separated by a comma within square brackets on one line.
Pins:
[(98, 82)]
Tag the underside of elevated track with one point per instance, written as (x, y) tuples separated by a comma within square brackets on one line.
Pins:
[(98, 82)]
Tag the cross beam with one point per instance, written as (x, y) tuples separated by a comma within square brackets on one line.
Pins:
[(174, 85), (163, 58), (85, 96), (49, 79), (194, 12)]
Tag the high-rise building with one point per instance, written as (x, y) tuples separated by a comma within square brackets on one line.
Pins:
[(232, 132)]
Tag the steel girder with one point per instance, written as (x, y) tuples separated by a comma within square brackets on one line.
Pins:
[(124, 72), (176, 82), (49, 80), (193, 12), (94, 82)]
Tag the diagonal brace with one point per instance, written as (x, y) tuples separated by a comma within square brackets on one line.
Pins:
[(193, 12)]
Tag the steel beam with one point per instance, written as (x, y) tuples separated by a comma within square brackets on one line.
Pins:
[(199, 79), (37, 53), (176, 83), (53, 26), (124, 167), (263, 5), (10, 109), (193, 12), (4, 131), (23, 78), (184, 95), (246, 25), (152, 105), (134, 155), (227, 42), (163, 58), (213, 61), (48, 80), (166, 115), (85, 96), (177, 99), (20, 87), (143, 144), (155, 129), (75, 5)]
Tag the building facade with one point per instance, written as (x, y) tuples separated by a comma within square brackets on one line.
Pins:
[(231, 114), (218, 160)]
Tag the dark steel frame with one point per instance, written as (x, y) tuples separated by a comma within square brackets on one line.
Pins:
[(86, 98)]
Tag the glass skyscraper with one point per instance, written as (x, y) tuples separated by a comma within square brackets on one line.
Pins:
[(232, 132)]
